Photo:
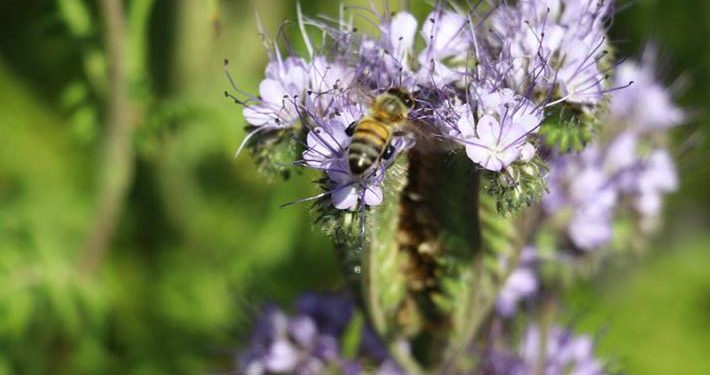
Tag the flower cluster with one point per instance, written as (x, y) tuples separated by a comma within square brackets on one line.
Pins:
[(310, 341), (553, 351), (628, 166), (559, 44), (521, 284), (481, 81), (511, 103), (627, 172)]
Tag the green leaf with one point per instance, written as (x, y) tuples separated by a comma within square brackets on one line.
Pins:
[(76, 16), (352, 337), (429, 273)]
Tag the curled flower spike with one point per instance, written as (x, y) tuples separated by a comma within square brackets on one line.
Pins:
[(596, 183)]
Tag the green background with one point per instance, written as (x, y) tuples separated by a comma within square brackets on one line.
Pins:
[(201, 242)]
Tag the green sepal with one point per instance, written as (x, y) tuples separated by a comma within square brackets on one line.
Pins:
[(569, 128), (520, 186), (274, 151)]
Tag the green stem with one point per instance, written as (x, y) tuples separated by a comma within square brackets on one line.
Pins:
[(116, 168)]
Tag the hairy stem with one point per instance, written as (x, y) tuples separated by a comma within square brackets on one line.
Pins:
[(116, 166)]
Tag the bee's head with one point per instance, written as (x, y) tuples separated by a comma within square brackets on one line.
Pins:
[(392, 106), (403, 96)]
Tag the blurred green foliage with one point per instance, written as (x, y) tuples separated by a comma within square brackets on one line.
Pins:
[(201, 242)]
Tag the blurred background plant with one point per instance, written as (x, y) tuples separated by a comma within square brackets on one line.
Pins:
[(131, 241)]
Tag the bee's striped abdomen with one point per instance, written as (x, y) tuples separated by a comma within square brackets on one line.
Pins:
[(367, 145)]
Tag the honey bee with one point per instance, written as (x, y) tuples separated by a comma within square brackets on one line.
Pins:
[(371, 136)]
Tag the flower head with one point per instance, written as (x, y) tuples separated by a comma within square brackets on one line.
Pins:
[(327, 150), (627, 165), (553, 44), (285, 81), (499, 137), (562, 352), (555, 351), (522, 283), (646, 105), (308, 342)]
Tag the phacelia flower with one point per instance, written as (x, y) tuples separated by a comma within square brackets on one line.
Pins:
[(522, 283), (555, 43), (555, 351), (286, 79), (499, 137), (457, 81), (327, 145), (627, 165), (561, 352), (309, 342), (646, 105), (448, 37)]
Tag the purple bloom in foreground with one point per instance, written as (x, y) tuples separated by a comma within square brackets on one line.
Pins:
[(554, 352), (561, 353), (308, 343)]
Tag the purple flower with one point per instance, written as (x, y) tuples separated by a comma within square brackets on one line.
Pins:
[(329, 83), (327, 151), (657, 177), (398, 37), (556, 351), (448, 38), (579, 184), (309, 342), (521, 284), (646, 105), (560, 353), (278, 92), (331, 312), (499, 136), (628, 165), (547, 44)]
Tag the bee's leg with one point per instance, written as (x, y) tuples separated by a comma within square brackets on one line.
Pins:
[(351, 128), (389, 151)]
